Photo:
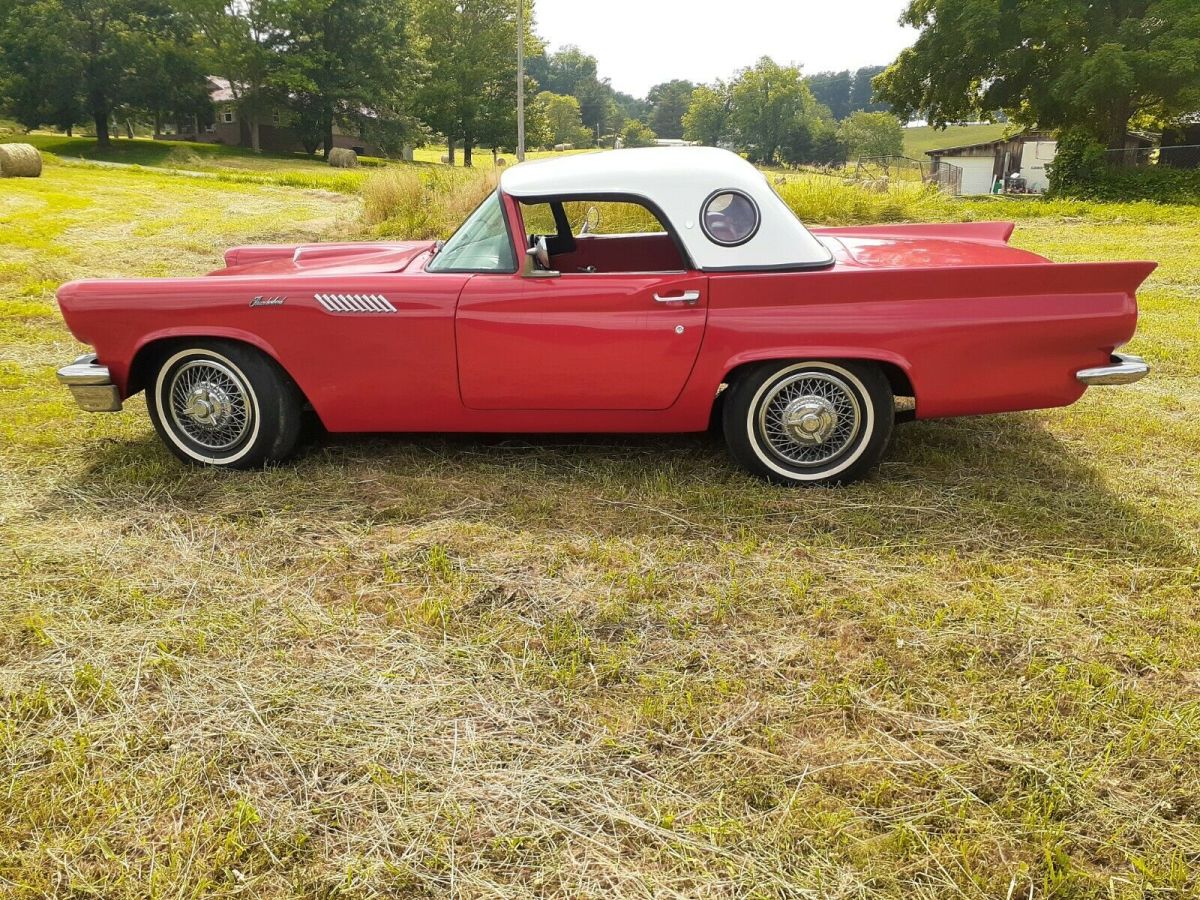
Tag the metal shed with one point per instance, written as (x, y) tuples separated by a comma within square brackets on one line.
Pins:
[(1025, 155)]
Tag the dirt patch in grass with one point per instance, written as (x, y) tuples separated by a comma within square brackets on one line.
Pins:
[(593, 666)]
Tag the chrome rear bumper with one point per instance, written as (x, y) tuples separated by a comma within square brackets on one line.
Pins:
[(1125, 369), (90, 385)]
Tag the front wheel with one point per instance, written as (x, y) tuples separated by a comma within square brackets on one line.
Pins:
[(809, 422), (224, 404)]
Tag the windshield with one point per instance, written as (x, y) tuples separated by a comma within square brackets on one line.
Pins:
[(480, 245)]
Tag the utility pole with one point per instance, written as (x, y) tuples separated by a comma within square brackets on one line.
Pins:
[(520, 80)]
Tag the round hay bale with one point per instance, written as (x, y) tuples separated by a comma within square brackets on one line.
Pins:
[(20, 161), (501, 162), (445, 159), (343, 158)]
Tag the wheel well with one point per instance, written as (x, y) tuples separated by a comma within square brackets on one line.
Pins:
[(898, 380), (146, 360)]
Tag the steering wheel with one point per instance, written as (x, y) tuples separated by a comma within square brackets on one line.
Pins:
[(540, 251)]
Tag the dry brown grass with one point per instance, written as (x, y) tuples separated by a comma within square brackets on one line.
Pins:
[(583, 667), (423, 203)]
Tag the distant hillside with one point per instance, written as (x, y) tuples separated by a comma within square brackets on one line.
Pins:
[(919, 140)]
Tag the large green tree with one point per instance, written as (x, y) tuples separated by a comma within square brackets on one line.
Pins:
[(770, 102), (833, 89), (64, 62), (862, 90), (1103, 65), (872, 134), (564, 71), (669, 103), (471, 86), (707, 118), (572, 72), (563, 122), (846, 92), (231, 35), (341, 63)]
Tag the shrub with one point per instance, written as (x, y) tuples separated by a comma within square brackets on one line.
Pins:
[(1081, 170), (637, 134), (1079, 164)]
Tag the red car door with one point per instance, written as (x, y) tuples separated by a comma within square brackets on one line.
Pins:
[(579, 341)]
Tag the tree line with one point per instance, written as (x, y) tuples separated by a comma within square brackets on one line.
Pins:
[(399, 72), (774, 115), (394, 72)]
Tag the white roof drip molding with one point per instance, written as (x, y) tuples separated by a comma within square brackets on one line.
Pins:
[(678, 180)]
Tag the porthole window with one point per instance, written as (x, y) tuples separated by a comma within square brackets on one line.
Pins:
[(730, 218)]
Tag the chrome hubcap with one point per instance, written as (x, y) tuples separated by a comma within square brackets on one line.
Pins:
[(209, 403), (809, 418)]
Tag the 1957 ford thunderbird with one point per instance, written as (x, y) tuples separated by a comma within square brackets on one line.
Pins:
[(704, 301)]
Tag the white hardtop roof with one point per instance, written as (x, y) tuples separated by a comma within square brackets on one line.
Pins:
[(678, 180)]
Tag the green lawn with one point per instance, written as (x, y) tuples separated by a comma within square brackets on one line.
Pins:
[(920, 139), (589, 667), (199, 156), (165, 154)]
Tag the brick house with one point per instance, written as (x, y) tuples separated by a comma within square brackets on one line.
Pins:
[(225, 126)]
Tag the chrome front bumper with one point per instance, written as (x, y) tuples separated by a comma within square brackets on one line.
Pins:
[(90, 385), (1125, 369)]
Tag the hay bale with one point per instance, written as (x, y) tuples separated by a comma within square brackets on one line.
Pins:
[(445, 159), (20, 161), (501, 162), (343, 158)]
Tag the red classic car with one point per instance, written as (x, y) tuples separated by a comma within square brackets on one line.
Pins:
[(705, 300)]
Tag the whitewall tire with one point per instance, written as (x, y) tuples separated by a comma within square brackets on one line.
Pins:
[(224, 404), (809, 422)]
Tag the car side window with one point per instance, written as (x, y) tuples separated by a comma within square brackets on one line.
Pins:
[(730, 218), (611, 217), (600, 236), (481, 244)]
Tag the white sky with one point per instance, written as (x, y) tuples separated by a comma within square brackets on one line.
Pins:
[(640, 43)]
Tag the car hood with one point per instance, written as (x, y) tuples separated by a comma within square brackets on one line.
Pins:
[(324, 259)]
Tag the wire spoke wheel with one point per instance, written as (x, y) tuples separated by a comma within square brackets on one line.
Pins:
[(809, 418), (209, 402)]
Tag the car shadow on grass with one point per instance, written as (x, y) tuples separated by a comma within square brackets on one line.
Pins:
[(999, 482)]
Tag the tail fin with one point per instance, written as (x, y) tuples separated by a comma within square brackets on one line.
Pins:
[(997, 232)]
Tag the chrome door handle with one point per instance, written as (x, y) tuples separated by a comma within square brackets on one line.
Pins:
[(685, 297)]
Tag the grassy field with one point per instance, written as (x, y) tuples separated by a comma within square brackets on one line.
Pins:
[(918, 140), (201, 156), (590, 667), (190, 155)]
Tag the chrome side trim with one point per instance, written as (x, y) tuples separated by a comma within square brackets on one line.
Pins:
[(1125, 369), (354, 303), (90, 385)]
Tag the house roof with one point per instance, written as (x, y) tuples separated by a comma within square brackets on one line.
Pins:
[(1145, 140), (1024, 136), (679, 181), (220, 90)]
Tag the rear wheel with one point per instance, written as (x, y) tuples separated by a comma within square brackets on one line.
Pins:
[(809, 422), (224, 404)]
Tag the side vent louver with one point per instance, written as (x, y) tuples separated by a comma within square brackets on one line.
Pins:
[(354, 303)]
